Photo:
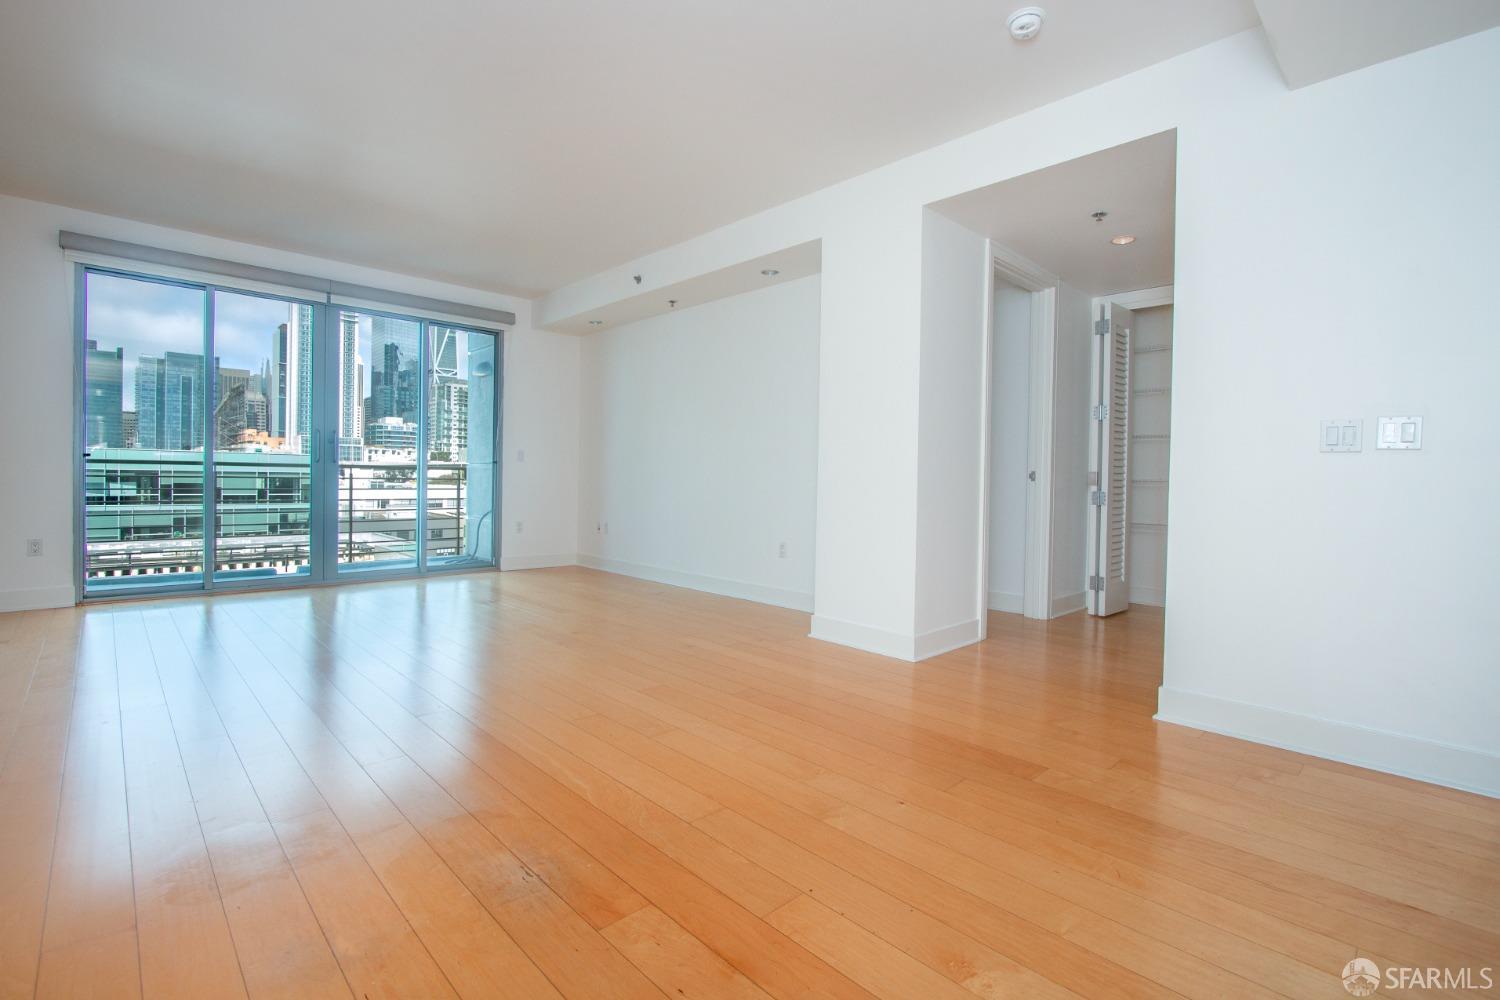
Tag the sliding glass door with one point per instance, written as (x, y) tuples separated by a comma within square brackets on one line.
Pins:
[(379, 415), (145, 396), (460, 438), (262, 437), (339, 441)]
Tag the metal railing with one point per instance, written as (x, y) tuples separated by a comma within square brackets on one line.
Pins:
[(378, 506), (143, 514)]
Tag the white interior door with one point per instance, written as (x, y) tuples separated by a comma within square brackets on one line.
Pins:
[(1109, 461)]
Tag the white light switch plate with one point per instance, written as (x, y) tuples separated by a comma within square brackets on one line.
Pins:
[(1341, 435), (1398, 433)]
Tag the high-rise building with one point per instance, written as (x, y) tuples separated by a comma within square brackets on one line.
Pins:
[(351, 390), (391, 432), (169, 401), (288, 379), (234, 378), (240, 406), (256, 415), (448, 417), (128, 434), (230, 414), (394, 389), (102, 406)]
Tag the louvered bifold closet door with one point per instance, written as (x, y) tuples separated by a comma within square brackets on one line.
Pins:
[(1109, 481)]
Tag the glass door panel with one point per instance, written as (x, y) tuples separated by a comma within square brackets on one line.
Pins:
[(262, 427), (379, 412), (462, 380), (143, 433)]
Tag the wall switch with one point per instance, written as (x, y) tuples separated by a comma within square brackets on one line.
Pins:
[(33, 546), (781, 551), (518, 527), (1341, 435), (1398, 433)]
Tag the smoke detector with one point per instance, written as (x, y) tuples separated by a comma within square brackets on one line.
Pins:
[(1026, 23)]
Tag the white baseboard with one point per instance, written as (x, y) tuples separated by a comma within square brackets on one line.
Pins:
[(865, 637), (1154, 597), (999, 600), (537, 562), (1067, 604), (942, 640), (1459, 767), (795, 600), (36, 598), (910, 648)]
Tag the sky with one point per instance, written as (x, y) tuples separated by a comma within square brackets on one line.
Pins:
[(147, 318)]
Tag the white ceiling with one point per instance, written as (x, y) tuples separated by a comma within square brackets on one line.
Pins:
[(516, 145), (1045, 216), (1318, 39)]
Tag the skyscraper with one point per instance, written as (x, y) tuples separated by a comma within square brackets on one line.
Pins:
[(448, 417), (169, 401), (351, 390), (288, 379), (102, 406), (230, 415), (234, 378), (394, 390)]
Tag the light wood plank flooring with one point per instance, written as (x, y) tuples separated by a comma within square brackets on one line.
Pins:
[(566, 783)]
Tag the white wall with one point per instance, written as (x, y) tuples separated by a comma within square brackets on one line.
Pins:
[(1336, 257), (1010, 402), (956, 267), (1334, 248), (540, 420), (699, 446), (36, 394)]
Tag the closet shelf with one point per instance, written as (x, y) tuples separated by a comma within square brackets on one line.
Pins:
[(1149, 437), (1147, 526), (1153, 350)]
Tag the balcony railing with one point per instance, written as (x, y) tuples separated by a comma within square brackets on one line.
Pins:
[(144, 515), (377, 512)]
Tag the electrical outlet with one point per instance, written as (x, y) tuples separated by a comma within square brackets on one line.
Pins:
[(33, 546), (518, 526), (598, 527), (520, 454), (781, 551)]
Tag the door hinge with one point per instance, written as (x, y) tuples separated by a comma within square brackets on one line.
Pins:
[(1100, 411), (1097, 498), (1096, 583), (1101, 327)]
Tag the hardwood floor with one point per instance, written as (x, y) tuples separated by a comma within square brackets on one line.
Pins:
[(566, 783)]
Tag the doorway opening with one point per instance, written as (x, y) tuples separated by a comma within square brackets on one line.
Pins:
[(1077, 426)]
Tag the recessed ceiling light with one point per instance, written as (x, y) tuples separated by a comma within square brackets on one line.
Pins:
[(1025, 23), (1123, 241), (770, 272), (596, 322)]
